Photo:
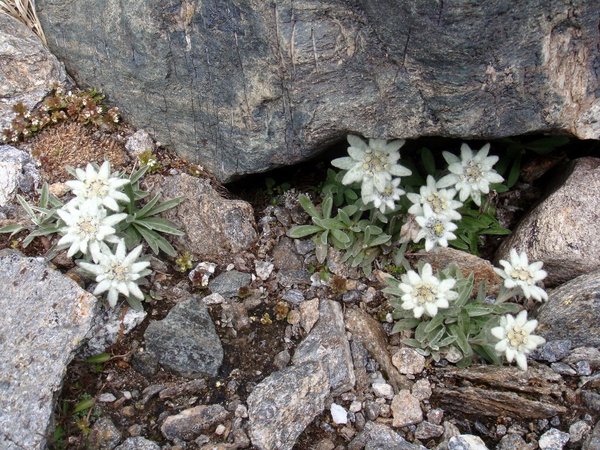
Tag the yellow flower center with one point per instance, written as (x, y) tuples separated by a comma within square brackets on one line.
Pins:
[(519, 273), (437, 203), (425, 294), (473, 172), (375, 161), (118, 272), (438, 228), (97, 188), (517, 337), (87, 226)]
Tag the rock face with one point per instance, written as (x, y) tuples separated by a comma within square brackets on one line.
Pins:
[(28, 69), (45, 316), (562, 231), (215, 227), (186, 341), (252, 85), (17, 172), (571, 312)]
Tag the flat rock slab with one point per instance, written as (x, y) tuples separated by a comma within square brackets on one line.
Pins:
[(214, 227), (572, 312), (45, 316), (186, 341), (285, 403), (562, 231)]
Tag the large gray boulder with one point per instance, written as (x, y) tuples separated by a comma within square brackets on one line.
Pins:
[(562, 231), (45, 316), (27, 68), (247, 85)]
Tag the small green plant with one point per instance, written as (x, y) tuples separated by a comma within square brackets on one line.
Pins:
[(274, 191), (148, 159), (184, 262), (464, 324), (82, 106)]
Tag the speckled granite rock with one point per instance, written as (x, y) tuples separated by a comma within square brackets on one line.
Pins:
[(45, 317)]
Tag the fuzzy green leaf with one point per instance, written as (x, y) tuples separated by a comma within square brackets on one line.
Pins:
[(380, 240), (405, 324), (326, 207), (13, 229), (308, 206), (149, 236), (340, 236), (161, 225), (165, 206), (98, 359), (84, 405), (147, 207), (301, 231)]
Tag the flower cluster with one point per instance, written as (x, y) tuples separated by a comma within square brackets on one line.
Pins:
[(82, 106), (374, 165), (515, 338), (520, 277), (90, 221), (424, 293)]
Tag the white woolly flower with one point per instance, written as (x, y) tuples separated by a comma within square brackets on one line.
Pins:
[(371, 164), (118, 273), (516, 340), (424, 293), (471, 175), (99, 186), (436, 230), (518, 273), (386, 199), (441, 201), (87, 225)]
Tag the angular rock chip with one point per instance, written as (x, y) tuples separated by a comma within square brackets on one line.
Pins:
[(190, 423), (327, 344), (285, 403), (45, 317), (186, 341)]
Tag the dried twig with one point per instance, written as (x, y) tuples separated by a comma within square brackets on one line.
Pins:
[(24, 11)]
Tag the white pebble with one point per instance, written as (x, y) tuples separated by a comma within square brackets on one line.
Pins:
[(339, 414)]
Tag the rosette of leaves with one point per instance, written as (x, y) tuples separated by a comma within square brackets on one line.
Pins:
[(466, 324), (474, 224), (142, 222), (44, 218), (359, 238)]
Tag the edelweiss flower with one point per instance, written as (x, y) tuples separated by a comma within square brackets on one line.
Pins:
[(373, 165), (118, 272), (439, 200), (470, 175), (98, 186), (516, 340), (425, 293), (386, 199), (86, 226), (518, 273), (436, 230)]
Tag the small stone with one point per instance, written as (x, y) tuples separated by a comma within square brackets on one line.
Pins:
[(310, 314), (135, 430), (285, 256), (241, 411), (578, 431), (583, 368), (220, 430), (355, 406), (128, 411), (58, 189), (263, 269), (325, 444), (213, 299), (428, 430), (383, 390), (408, 361), (553, 439), (17, 172), (339, 414), (351, 296), (192, 387), (190, 423), (104, 435), (450, 430), (229, 283), (140, 142), (304, 246), (293, 296), (501, 430), (453, 355), (107, 397), (435, 416), (553, 351), (513, 442), (562, 368), (466, 442), (138, 443), (372, 410), (406, 409), (589, 354), (282, 359), (200, 274), (422, 389), (293, 317)]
